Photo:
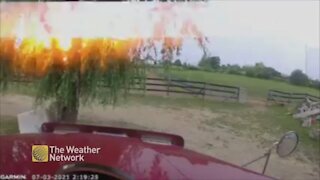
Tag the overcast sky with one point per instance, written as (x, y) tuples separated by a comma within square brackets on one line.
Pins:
[(291, 20), (274, 32)]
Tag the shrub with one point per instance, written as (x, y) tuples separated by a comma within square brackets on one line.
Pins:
[(297, 77)]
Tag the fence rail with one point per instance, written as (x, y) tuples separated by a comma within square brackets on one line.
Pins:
[(171, 86), (287, 97)]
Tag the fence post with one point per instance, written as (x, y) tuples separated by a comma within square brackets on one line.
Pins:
[(242, 97), (204, 90), (290, 97), (238, 94), (168, 85), (145, 86)]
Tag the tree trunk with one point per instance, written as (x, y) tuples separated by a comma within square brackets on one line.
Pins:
[(69, 112), (60, 111)]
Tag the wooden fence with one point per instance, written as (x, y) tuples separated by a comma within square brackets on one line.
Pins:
[(174, 86), (196, 88), (287, 97)]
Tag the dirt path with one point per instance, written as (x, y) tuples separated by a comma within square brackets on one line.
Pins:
[(222, 142)]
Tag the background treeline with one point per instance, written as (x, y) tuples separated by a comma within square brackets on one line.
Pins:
[(258, 70)]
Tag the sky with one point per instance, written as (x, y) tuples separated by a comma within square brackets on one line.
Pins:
[(292, 20), (281, 34)]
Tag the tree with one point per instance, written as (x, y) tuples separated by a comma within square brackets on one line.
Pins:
[(210, 62), (315, 84), (177, 62), (272, 73), (185, 65), (72, 75), (297, 77), (78, 75), (234, 69), (98, 68), (223, 68), (249, 71), (259, 70)]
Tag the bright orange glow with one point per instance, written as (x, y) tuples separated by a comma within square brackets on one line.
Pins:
[(65, 43), (38, 36)]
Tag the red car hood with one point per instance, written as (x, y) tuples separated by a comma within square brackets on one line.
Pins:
[(138, 159)]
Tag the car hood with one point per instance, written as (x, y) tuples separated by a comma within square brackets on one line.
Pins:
[(138, 159)]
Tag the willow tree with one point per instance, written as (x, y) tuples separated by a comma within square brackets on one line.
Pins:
[(94, 69), (89, 69)]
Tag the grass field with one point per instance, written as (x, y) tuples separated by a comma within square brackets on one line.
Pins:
[(255, 87), (8, 125), (243, 117)]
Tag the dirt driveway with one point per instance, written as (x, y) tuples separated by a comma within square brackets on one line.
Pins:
[(223, 141)]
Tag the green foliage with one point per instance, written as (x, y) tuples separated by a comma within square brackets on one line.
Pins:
[(5, 72), (60, 86), (315, 84), (297, 77), (186, 65), (234, 69), (177, 62), (261, 71), (210, 62), (66, 84), (70, 86)]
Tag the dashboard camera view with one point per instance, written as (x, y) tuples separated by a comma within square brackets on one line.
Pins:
[(225, 90)]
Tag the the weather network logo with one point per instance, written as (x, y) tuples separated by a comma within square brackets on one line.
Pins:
[(50, 153), (40, 153)]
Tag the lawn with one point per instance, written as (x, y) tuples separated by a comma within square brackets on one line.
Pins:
[(255, 87), (8, 125), (21, 88), (276, 120), (273, 120)]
